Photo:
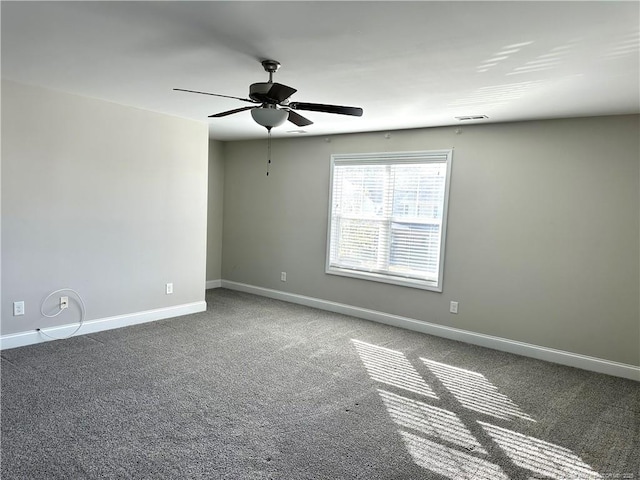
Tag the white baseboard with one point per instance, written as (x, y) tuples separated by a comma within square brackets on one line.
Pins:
[(497, 343), (108, 323), (213, 284)]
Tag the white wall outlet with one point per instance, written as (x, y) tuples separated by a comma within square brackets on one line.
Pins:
[(283, 276), (169, 288), (453, 307), (18, 308), (64, 303)]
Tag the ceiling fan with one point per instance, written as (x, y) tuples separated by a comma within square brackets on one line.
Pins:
[(271, 106)]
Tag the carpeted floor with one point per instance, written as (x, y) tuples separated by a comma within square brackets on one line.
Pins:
[(256, 388)]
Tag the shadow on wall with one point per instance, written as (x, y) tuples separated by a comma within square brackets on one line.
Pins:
[(451, 444)]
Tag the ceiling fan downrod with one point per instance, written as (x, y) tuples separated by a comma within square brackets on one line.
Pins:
[(270, 66)]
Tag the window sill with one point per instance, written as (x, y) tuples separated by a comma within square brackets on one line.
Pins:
[(393, 280)]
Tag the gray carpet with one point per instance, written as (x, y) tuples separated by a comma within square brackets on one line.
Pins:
[(256, 388)]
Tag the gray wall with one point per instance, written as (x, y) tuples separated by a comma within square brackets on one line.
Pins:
[(543, 240), (215, 196), (105, 199)]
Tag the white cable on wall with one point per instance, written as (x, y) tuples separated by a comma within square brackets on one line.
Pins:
[(83, 311)]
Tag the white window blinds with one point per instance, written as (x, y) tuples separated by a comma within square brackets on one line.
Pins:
[(387, 217)]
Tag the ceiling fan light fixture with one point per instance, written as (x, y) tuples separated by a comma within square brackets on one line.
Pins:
[(269, 117)]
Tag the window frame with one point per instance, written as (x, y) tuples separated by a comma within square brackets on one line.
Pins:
[(392, 158)]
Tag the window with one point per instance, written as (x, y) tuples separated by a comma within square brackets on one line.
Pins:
[(387, 217)]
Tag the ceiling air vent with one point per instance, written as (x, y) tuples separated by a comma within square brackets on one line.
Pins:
[(471, 117)]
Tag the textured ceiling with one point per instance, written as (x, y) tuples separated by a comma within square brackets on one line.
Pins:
[(407, 64)]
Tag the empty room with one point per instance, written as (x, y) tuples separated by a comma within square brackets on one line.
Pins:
[(320, 240)]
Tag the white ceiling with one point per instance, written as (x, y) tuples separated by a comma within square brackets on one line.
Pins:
[(407, 64)]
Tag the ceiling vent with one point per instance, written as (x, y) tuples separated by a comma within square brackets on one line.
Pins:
[(471, 117)]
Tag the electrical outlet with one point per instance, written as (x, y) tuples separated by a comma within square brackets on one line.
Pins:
[(283, 276), (169, 288), (453, 307), (18, 308), (64, 303)]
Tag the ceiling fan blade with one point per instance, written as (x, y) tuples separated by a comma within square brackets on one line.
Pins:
[(277, 93), (214, 94), (230, 112), (320, 107), (280, 92), (298, 119)]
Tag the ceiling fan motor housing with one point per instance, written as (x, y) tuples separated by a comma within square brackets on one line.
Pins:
[(258, 91)]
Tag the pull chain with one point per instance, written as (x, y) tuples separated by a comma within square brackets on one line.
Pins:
[(268, 149)]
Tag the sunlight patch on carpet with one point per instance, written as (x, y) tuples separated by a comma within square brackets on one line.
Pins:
[(449, 462), (392, 368), (475, 392), (438, 423), (539, 456)]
